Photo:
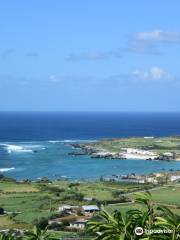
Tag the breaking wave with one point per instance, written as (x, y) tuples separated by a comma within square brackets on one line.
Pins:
[(12, 148), (71, 141), (6, 169)]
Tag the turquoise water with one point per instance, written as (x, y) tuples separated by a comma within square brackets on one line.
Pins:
[(36, 159), (31, 155)]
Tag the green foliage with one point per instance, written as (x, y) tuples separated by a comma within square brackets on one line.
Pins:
[(118, 226), (69, 195), (38, 234), (42, 223), (76, 184), (1, 211), (10, 235)]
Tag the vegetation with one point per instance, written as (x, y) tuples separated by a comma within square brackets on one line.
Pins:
[(159, 145), (38, 234), (24, 205), (155, 222)]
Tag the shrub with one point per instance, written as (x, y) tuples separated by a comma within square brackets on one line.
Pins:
[(1, 211), (73, 185), (72, 195), (42, 223)]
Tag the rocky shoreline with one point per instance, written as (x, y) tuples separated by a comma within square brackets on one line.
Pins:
[(128, 153), (93, 152)]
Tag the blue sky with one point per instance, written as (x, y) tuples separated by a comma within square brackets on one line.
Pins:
[(90, 55)]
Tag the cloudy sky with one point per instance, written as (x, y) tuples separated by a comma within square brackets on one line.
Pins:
[(90, 55)]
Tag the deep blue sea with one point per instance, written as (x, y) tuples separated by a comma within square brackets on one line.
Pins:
[(33, 145)]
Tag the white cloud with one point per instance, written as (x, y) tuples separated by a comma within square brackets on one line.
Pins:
[(55, 78), (154, 73), (150, 41), (158, 36)]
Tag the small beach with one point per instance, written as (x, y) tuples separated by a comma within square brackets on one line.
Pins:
[(37, 145), (52, 160)]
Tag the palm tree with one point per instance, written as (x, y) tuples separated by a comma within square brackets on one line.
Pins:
[(9, 236), (170, 222), (121, 227), (147, 216), (110, 227), (5, 237), (38, 234)]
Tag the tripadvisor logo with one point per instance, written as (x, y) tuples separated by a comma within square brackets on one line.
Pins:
[(139, 231)]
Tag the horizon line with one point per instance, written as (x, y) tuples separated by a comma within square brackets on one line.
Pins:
[(59, 111)]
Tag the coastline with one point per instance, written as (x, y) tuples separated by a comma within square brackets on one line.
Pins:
[(63, 159), (129, 152)]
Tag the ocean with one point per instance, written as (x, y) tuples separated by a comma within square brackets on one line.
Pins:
[(34, 145)]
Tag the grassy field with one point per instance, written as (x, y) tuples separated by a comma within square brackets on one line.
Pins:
[(159, 145), (123, 207), (100, 190), (5, 222), (29, 202), (168, 196), (18, 187)]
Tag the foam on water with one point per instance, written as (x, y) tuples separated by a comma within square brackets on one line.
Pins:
[(71, 141), (27, 130), (12, 148), (6, 169)]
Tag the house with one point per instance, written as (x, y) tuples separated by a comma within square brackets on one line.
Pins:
[(151, 180), (132, 153), (157, 174), (54, 221), (88, 199), (74, 222), (64, 208), (67, 208), (89, 209), (78, 224), (140, 181), (169, 155), (175, 178)]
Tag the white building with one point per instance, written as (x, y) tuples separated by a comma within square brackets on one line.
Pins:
[(151, 180), (175, 178), (132, 153), (67, 208), (79, 224), (64, 207)]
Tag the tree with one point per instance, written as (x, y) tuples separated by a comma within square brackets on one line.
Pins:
[(38, 234), (147, 216), (42, 223), (10, 236), (1, 211), (110, 227), (168, 221), (120, 226)]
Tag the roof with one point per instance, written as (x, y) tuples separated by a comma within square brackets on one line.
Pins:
[(68, 207), (65, 206), (90, 208), (88, 198), (79, 221)]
